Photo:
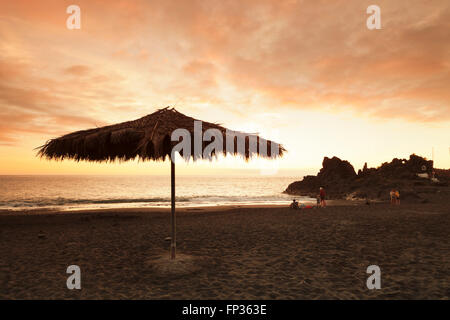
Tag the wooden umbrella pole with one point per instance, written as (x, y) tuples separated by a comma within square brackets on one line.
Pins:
[(173, 243)]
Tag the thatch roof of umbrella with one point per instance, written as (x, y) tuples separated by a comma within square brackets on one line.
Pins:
[(147, 138)]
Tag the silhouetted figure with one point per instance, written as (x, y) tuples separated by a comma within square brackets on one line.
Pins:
[(395, 197), (294, 204), (322, 195)]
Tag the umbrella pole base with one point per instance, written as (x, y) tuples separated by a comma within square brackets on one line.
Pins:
[(173, 250)]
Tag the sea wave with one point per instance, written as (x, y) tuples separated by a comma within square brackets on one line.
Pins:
[(49, 202)]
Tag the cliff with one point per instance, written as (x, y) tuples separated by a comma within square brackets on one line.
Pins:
[(340, 180)]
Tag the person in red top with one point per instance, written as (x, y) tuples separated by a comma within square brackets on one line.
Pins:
[(322, 195)]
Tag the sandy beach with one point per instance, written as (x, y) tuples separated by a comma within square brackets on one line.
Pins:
[(229, 253)]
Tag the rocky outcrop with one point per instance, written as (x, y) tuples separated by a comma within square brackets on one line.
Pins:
[(339, 179), (442, 174), (336, 168), (335, 172)]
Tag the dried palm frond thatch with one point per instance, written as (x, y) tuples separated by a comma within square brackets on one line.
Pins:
[(148, 138)]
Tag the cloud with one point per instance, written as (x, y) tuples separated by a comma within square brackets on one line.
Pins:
[(34, 104), (77, 70), (241, 57)]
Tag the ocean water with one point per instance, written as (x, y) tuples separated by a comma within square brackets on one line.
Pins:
[(92, 192)]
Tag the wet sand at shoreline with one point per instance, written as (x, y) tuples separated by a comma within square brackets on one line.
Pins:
[(229, 253)]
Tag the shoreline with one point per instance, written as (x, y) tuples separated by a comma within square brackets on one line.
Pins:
[(206, 208)]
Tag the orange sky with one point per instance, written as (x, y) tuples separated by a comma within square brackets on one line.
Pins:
[(308, 74)]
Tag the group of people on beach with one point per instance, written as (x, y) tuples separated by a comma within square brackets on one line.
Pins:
[(395, 200), (320, 201), (395, 197)]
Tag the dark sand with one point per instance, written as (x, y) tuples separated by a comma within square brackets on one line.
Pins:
[(240, 253)]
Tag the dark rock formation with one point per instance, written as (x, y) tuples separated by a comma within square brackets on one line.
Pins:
[(336, 168), (340, 181), (334, 172), (442, 174)]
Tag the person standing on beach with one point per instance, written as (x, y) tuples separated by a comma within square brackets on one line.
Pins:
[(397, 197), (322, 195), (392, 194)]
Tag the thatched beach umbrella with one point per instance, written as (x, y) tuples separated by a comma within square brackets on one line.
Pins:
[(150, 138)]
